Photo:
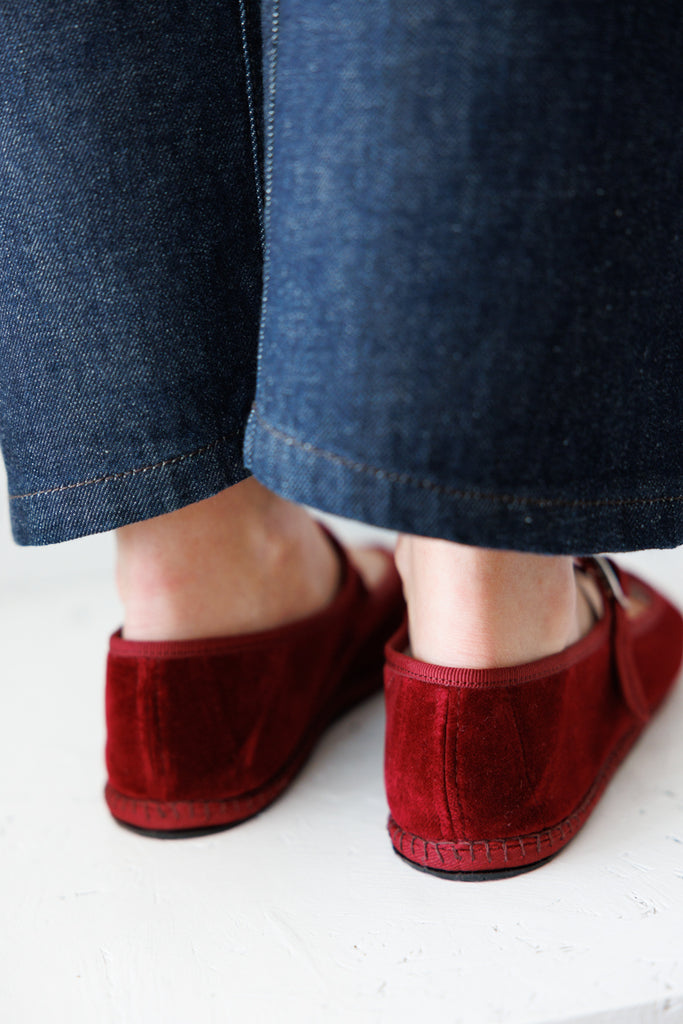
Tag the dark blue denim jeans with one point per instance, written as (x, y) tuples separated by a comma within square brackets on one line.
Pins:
[(459, 222)]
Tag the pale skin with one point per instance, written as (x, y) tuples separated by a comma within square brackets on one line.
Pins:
[(247, 560)]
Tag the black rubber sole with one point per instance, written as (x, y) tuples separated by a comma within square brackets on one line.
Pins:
[(477, 876), (181, 833)]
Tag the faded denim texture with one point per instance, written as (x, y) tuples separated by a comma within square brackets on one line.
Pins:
[(472, 312), (130, 281)]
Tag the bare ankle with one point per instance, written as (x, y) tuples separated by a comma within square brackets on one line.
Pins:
[(481, 608), (242, 561)]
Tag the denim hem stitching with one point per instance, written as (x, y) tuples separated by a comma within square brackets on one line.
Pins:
[(454, 492), (252, 121), (268, 149), (127, 472)]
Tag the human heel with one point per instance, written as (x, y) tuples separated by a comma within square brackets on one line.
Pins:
[(491, 772)]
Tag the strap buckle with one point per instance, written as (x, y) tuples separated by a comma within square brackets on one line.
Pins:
[(610, 576)]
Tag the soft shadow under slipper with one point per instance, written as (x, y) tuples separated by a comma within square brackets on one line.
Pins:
[(205, 733), (489, 773)]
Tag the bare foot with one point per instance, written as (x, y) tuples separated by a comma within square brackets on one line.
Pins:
[(479, 608), (240, 562)]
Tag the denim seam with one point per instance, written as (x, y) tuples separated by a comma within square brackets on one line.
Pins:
[(127, 472), (252, 120), (454, 492), (269, 133)]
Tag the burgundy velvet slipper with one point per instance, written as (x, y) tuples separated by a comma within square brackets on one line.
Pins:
[(205, 733), (489, 773)]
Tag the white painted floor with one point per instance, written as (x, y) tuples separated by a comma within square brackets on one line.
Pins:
[(302, 914)]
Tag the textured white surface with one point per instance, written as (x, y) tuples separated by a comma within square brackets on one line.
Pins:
[(303, 914)]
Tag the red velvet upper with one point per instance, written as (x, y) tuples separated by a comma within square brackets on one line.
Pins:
[(497, 754), (210, 720)]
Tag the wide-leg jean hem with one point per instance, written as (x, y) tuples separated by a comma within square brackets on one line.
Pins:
[(106, 502), (646, 516)]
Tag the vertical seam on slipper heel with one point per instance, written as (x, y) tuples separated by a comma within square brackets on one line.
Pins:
[(148, 728), (522, 750), (446, 794), (161, 744), (462, 829)]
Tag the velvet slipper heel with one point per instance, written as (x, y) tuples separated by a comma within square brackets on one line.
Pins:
[(489, 773), (203, 734)]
